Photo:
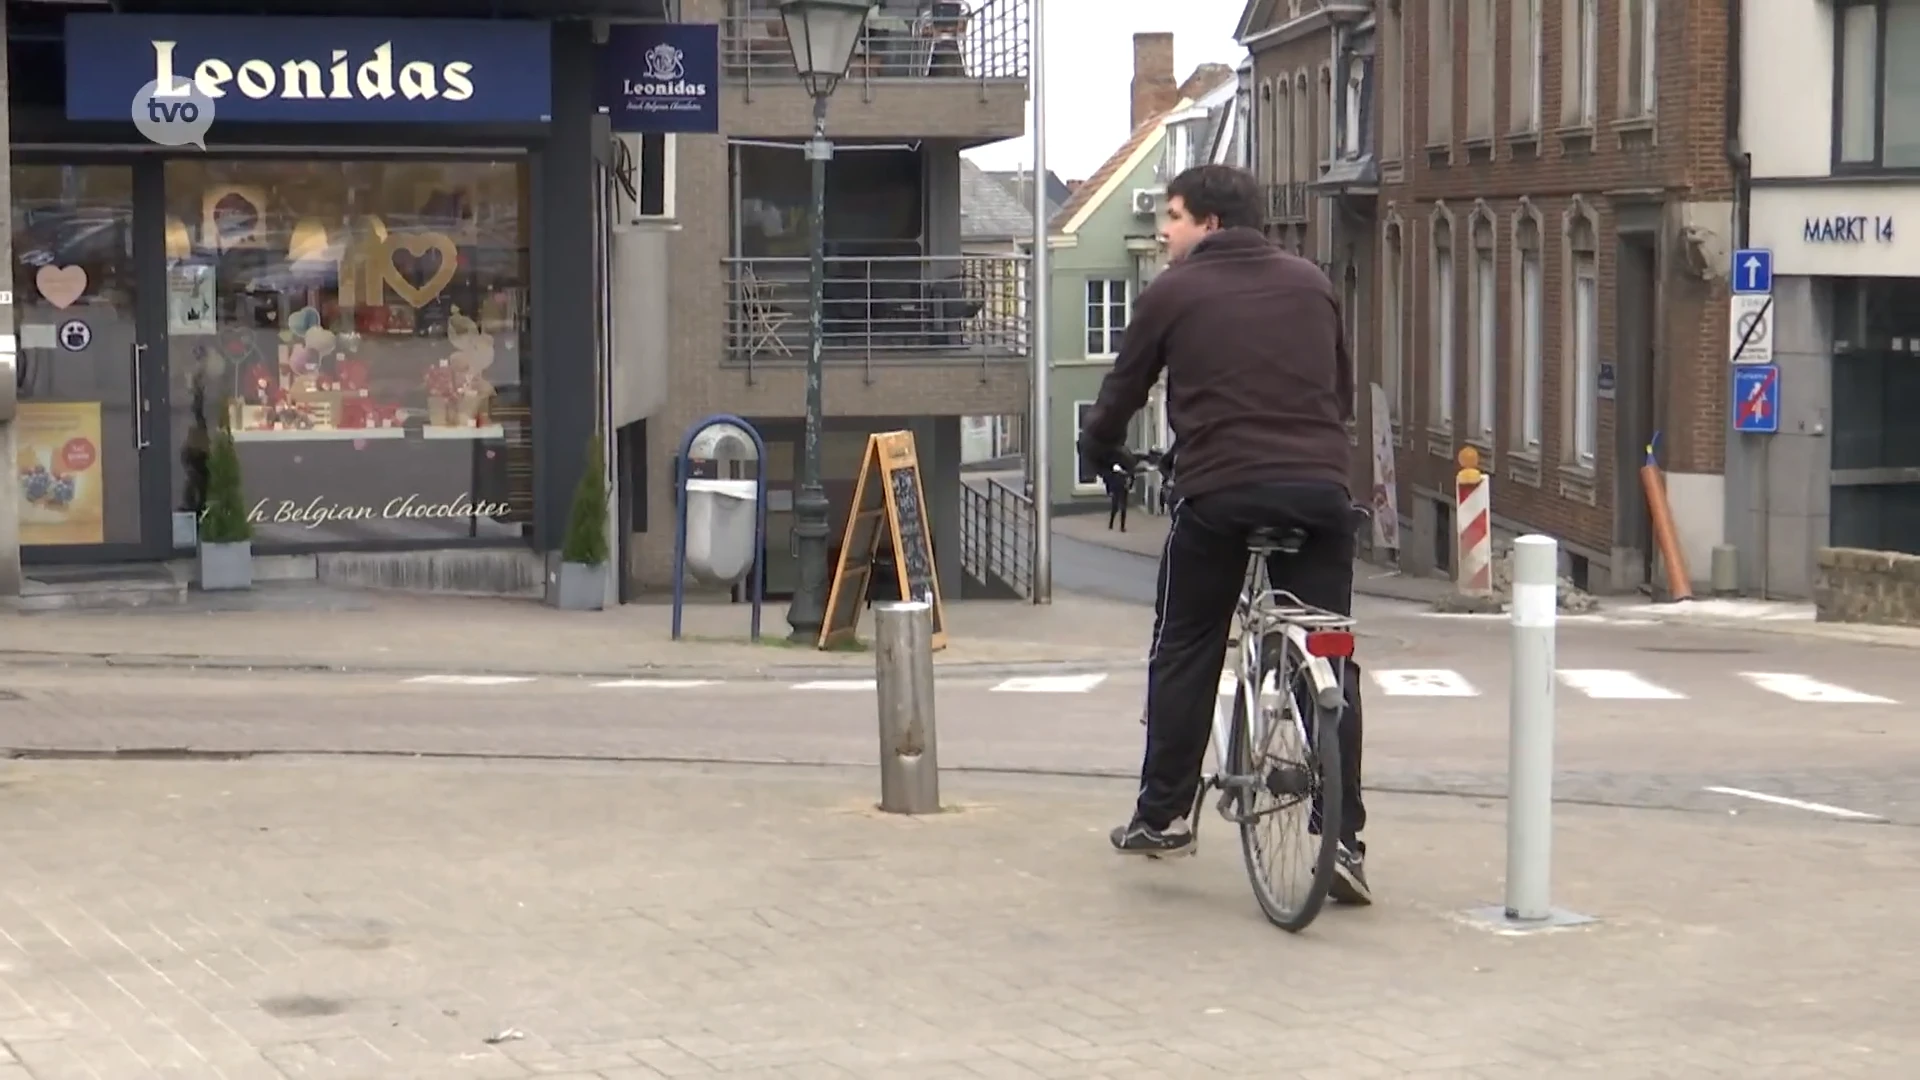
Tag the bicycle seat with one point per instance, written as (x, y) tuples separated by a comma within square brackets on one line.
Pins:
[(1287, 541)]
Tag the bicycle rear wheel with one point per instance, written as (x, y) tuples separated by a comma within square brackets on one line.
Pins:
[(1290, 815)]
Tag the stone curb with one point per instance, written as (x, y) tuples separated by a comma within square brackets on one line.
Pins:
[(982, 669)]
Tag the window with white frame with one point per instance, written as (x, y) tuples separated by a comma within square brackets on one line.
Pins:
[(1392, 82), (1639, 67), (1482, 399), (1580, 50), (1531, 332), (1084, 476), (1527, 52), (1875, 85), (1281, 123), (1106, 315), (1393, 321), (1304, 154), (1480, 54), (1439, 72), (1581, 379), (1440, 403), (1350, 316), (1352, 126), (1323, 120)]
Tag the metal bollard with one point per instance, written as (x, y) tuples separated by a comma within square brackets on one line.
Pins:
[(1530, 734), (903, 676)]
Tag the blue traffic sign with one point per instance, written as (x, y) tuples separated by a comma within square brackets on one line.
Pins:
[(1752, 271), (1756, 399)]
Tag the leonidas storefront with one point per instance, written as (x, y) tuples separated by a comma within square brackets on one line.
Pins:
[(377, 273)]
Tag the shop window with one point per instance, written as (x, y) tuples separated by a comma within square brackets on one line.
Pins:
[(874, 201), (362, 326)]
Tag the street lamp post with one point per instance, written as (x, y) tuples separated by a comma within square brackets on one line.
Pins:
[(823, 34)]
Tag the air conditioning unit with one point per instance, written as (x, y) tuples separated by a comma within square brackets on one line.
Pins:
[(1146, 201)]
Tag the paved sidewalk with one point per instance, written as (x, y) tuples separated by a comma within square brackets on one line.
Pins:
[(304, 626), (361, 921)]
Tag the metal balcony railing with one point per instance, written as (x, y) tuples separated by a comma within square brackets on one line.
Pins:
[(996, 535), (1286, 203), (903, 39), (940, 306)]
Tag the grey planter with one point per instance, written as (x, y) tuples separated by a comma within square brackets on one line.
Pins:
[(578, 587), (226, 566)]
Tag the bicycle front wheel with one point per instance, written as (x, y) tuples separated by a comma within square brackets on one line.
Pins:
[(1288, 749)]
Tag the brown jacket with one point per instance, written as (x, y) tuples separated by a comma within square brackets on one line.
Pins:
[(1259, 383)]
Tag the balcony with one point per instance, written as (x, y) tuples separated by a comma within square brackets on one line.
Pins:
[(932, 68), (1287, 204), (884, 309)]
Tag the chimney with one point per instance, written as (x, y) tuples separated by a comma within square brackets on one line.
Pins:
[(1155, 90)]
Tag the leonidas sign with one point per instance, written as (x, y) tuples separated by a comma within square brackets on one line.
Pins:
[(314, 70)]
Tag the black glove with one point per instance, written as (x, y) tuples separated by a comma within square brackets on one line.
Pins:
[(1104, 459)]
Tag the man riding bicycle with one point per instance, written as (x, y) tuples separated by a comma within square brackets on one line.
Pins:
[(1259, 389)]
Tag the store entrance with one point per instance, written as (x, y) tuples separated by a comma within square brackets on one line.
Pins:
[(92, 431)]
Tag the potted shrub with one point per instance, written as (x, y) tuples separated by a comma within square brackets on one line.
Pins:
[(226, 536), (580, 582)]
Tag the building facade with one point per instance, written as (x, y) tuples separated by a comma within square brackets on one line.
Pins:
[(919, 332), (1834, 159), (1555, 227)]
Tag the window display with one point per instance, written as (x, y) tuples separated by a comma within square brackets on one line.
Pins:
[(362, 327)]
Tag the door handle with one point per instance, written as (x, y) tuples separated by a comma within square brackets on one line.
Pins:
[(140, 441)]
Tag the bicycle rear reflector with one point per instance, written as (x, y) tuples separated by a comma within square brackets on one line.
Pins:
[(1330, 643)]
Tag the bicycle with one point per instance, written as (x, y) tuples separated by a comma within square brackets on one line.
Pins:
[(1284, 645)]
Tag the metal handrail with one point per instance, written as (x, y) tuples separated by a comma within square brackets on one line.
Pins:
[(996, 535), (940, 306), (978, 40)]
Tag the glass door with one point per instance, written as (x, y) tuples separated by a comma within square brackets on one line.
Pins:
[(92, 480)]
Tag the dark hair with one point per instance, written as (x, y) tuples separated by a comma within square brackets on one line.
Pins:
[(1221, 191)]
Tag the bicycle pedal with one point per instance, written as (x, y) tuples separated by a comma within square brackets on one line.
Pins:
[(1226, 807)]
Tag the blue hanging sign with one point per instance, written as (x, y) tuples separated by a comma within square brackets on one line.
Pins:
[(661, 77), (315, 70)]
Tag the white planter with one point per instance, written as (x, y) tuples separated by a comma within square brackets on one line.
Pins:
[(578, 587), (226, 566)]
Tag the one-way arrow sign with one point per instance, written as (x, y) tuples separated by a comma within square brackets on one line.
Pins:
[(1752, 271)]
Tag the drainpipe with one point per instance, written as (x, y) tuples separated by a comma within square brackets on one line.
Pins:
[(1737, 157)]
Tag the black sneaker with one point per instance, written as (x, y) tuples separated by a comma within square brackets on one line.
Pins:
[(1138, 838), (1350, 877)]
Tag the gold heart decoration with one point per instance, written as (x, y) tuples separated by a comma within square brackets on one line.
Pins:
[(416, 245)]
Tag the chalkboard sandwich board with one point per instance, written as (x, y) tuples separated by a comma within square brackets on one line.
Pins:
[(888, 489)]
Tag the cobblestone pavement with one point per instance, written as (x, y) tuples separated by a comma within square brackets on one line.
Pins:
[(383, 921)]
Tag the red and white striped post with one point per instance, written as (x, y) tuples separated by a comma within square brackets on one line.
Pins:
[(1473, 524)]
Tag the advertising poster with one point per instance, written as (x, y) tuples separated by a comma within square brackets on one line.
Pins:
[(1386, 493), (62, 488)]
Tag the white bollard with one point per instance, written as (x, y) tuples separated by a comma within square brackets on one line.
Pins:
[(1534, 613), (1530, 731)]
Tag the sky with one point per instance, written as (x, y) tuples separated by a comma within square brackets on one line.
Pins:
[(1090, 66)]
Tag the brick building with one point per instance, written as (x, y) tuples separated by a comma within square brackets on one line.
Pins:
[(1555, 213)]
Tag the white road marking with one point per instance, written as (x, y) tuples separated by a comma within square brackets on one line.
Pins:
[(1051, 684), (1797, 804), (836, 684), (653, 684), (1427, 682), (471, 680), (1811, 691), (1615, 685)]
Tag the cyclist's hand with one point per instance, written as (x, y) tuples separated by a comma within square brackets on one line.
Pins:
[(1105, 459)]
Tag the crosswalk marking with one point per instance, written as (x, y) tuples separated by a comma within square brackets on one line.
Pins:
[(836, 684), (471, 680), (1811, 691), (653, 684), (1051, 684), (1424, 682), (1610, 685)]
